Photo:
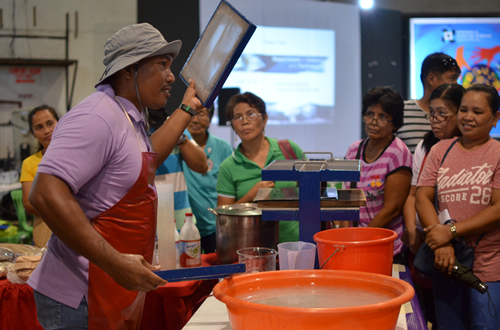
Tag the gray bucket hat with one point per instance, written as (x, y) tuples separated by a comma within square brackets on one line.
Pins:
[(132, 44)]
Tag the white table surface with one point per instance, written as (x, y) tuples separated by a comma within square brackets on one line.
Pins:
[(212, 314)]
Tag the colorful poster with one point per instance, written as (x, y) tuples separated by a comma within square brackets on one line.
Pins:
[(473, 42)]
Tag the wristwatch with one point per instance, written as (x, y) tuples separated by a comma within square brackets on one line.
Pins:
[(188, 109), (183, 139), (453, 230)]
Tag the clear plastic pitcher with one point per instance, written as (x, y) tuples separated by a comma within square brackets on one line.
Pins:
[(297, 255), (257, 259)]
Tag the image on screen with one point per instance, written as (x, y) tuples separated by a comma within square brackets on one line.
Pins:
[(473, 42), (295, 78)]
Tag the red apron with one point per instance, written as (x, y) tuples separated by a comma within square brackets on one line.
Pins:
[(130, 227)]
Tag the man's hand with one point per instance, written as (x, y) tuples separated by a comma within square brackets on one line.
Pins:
[(261, 184), (190, 97), (134, 273)]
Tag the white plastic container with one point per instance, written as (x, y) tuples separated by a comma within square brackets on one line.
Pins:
[(190, 244), (177, 246), (165, 225)]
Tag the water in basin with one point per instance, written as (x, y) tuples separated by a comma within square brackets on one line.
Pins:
[(315, 297)]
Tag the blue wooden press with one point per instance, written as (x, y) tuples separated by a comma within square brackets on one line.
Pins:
[(311, 209)]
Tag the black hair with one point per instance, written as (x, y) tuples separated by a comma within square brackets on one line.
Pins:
[(156, 118), (450, 93), (491, 92), (41, 108), (438, 63), (389, 99), (251, 99), (32, 114), (429, 141)]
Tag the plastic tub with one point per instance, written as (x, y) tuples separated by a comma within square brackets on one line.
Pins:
[(244, 314), (361, 249)]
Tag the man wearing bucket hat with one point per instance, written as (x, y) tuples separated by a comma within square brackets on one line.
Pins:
[(96, 185)]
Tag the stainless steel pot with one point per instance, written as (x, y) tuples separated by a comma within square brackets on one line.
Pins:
[(239, 226)]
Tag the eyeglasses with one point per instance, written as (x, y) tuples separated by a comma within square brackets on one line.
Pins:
[(438, 118), (251, 116), (381, 121), (201, 115)]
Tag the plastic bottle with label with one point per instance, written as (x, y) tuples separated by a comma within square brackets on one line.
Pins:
[(190, 244), (177, 246), (155, 254)]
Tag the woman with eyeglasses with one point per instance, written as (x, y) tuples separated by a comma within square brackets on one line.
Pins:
[(468, 189), (385, 164), (240, 175), (42, 120), (443, 108)]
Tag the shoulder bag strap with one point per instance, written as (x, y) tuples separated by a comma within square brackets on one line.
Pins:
[(285, 145), (422, 166), (284, 150), (436, 186)]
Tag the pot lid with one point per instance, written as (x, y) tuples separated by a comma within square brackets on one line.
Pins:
[(243, 209)]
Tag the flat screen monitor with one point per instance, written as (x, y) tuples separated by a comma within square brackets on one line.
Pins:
[(217, 51), (473, 42)]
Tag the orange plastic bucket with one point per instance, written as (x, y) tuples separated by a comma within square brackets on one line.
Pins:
[(237, 292), (362, 249)]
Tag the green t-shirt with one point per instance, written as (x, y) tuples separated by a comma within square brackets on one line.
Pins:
[(238, 174)]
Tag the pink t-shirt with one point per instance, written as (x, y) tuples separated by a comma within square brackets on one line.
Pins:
[(465, 183), (395, 157)]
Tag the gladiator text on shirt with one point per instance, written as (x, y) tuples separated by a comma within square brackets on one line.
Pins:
[(477, 181)]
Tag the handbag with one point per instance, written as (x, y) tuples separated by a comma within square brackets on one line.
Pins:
[(464, 254)]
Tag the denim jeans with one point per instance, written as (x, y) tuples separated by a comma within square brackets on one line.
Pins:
[(451, 303), (480, 310), (54, 315)]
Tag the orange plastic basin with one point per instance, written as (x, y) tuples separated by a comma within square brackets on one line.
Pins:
[(249, 315), (362, 249)]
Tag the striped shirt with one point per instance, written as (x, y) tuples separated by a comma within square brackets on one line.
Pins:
[(415, 125), (395, 157)]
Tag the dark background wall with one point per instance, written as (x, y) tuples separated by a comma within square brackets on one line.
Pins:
[(381, 51), (175, 20)]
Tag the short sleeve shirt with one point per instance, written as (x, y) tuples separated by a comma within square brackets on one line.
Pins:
[(201, 187), (30, 166), (95, 151), (465, 183), (395, 157)]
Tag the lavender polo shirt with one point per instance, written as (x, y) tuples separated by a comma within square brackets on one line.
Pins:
[(95, 151)]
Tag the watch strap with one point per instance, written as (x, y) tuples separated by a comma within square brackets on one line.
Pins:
[(188, 109), (183, 139), (453, 230)]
